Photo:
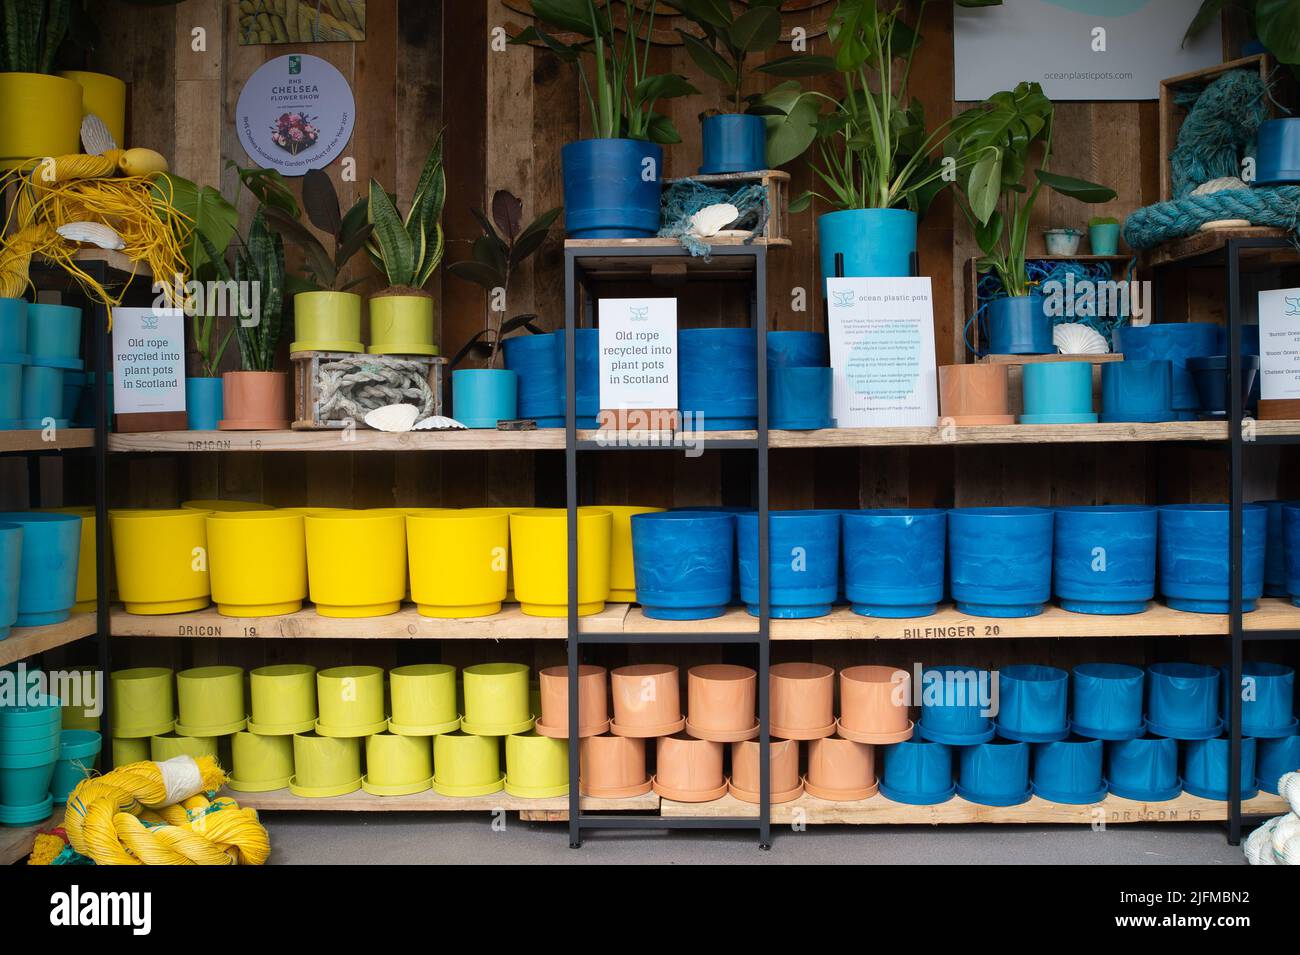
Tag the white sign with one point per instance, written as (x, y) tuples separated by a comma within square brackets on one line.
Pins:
[(1279, 344), (295, 113), (882, 352), (638, 353), (148, 360)]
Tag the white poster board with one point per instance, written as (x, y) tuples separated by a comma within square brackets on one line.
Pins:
[(295, 113), (638, 353), (1279, 344), (148, 360), (882, 352)]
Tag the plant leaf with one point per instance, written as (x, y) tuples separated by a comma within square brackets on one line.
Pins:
[(984, 185), (797, 64), (321, 202), (471, 270), (319, 262), (1080, 189), (507, 211), (531, 239), (756, 29), (390, 246), (1277, 22), (793, 131), (708, 59)]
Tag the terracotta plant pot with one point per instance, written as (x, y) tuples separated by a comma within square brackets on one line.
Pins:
[(254, 401), (784, 771), (689, 769), (841, 770), (593, 707), (874, 704), (803, 699), (613, 767), (720, 702), (974, 394), (647, 701)]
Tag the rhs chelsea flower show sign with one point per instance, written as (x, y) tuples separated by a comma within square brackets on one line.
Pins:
[(295, 113)]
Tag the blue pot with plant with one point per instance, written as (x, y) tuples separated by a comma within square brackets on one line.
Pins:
[(1103, 235)]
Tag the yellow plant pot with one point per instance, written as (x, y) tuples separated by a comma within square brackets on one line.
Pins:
[(257, 562), (537, 767), (510, 561), (86, 562), (423, 699), (327, 321), (325, 766), (496, 699), (458, 562), (260, 763), (210, 701), (171, 745), (283, 698), (397, 765), (622, 578), (130, 750), (350, 701), (105, 97), (161, 559), (225, 507), (356, 562), (402, 325), (141, 702), (39, 116), (540, 547), (466, 765)]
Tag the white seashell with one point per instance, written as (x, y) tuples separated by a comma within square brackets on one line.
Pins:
[(92, 233), (398, 417), (438, 423), (711, 220), (1071, 338), (95, 137), (1218, 185)]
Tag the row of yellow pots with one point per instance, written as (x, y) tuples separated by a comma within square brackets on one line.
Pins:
[(40, 114)]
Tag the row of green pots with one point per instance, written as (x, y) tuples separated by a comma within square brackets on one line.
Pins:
[(331, 321)]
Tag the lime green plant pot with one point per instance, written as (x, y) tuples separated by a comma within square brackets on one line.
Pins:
[(537, 767), (327, 321), (260, 763), (142, 703), (423, 700), (402, 325), (496, 699), (130, 750), (325, 766), (350, 701), (211, 701), (171, 745), (466, 765), (283, 698), (397, 765)]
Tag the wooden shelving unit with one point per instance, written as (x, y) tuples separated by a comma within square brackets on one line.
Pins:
[(32, 440), (282, 800), (24, 642), (1213, 242)]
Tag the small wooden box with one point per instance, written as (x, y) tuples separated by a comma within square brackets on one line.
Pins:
[(306, 385), (777, 184)]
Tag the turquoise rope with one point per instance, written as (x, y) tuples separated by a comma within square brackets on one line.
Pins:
[(1266, 206), (1219, 130), (686, 197)]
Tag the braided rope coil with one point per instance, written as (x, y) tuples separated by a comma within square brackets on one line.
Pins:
[(349, 387), (1277, 206)]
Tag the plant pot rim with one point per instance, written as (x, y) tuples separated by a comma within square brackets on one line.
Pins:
[(844, 212), (401, 291), (350, 732), (428, 729), (803, 733), (722, 736), (744, 795), (646, 732), (562, 732), (801, 671), (690, 795), (403, 789), (475, 789), (722, 673), (536, 792), (615, 792), (500, 729), (258, 786), (840, 795), (875, 739), (222, 729), (281, 729), (323, 792)]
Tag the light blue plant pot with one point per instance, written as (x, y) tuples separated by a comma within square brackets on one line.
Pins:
[(78, 750), (995, 773), (586, 344), (1032, 703), (1274, 758), (42, 394), (894, 561), (1103, 238), (480, 397), (684, 563), (733, 142), (1104, 558), (1267, 699), (74, 388), (541, 391), (1144, 768), (13, 326), (1193, 541), (28, 785), (1206, 768), (804, 555), (1058, 388), (954, 702), (1069, 771), (1000, 560), (54, 334), (1108, 701), (11, 394), (1183, 700), (204, 403), (47, 585), (875, 243), (918, 773), (717, 371)]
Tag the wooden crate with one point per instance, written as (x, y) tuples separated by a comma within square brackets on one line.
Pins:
[(306, 385), (777, 184)]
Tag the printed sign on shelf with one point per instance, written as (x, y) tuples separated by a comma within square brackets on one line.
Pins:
[(148, 360), (638, 353), (1279, 344), (882, 352), (295, 113)]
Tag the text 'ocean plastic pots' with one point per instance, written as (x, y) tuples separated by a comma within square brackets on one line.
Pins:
[(995, 773), (611, 188), (466, 765), (539, 549), (783, 770), (874, 243), (496, 699), (327, 321), (283, 698), (458, 561), (804, 562), (211, 701), (1019, 326), (1144, 768), (647, 700), (1267, 699), (689, 769), (955, 705), (918, 773), (402, 324), (894, 561), (720, 700), (1274, 758), (325, 766), (260, 763), (47, 577), (684, 561), (171, 745), (802, 700), (397, 765), (539, 392), (1032, 702), (350, 700), (537, 767), (874, 704), (356, 562), (1183, 700), (1001, 560), (613, 767), (424, 700), (160, 559), (840, 770), (204, 403), (1108, 701), (1069, 771), (974, 395), (142, 703), (1104, 558), (717, 370), (1193, 542), (78, 750), (733, 142), (800, 398), (593, 694), (1058, 392), (1175, 342), (622, 570), (481, 397), (11, 559), (1206, 771), (254, 401), (258, 562), (1137, 390)]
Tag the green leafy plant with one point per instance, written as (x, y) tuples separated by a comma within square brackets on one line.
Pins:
[(33, 32), (407, 251), (619, 88), (1276, 24), (349, 231), (1103, 220), (496, 254), (260, 259)]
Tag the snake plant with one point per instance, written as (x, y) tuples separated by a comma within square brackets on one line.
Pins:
[(261, 259), (408, 250), (33, 33)]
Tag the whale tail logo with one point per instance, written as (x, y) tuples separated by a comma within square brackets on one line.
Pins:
[(1293, 305), (640, 314), (842, 299)]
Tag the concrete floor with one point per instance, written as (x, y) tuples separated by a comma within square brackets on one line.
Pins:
[(319, 838)]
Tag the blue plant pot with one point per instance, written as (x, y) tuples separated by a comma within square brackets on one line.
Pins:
[(875, 243), (1103, 238), (586, 345), (1176, 342), (541, 387), (1108, 701), (1001, 560), (1277, 153), (799, 399), (894, 561), (47, 584), (797, 350), (1267, 699), (1104, 558), (1206, 771), (918, 773), (1137, 390), (955, 702), (26, 786), (1069, 771), (13, 326), (1032, 703), (1210, 378), (1291, 549), (717, 370), (1274, 758), (684, 563), (804, 553), (995, 773), (1058, 388), (42, 394), (11, 561), (1019, 326), (1183, 700), (85, 417), (607, 194), (74, 389), (733, 142), (77, 752), (11, 394), (1144, 768), (204, 403), (54, 335), (480, 397), (1193, 541), (1275, 550)]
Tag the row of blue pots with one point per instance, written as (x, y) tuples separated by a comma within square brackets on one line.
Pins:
[(39, 347), (39, 552)]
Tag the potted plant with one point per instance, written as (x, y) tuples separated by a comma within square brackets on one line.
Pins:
[(612, 180), (407, 251), (204, 405), (483, 396), (40, 113), (1103, 235)]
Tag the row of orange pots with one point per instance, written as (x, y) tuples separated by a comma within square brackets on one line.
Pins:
[(874, 703)]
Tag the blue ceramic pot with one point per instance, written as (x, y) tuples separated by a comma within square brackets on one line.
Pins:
[(1069, 771), (42, 394), (1144, 768), (480, 397), (1001, 560), (1193, 542), (733, 142), (995, 773), (1019, 326), (74, 390), (1210, 377), (1277, 155), (586, 344), (1104, 558), (54, 335), (13, 326), (1103, 238), (204, 403), (612, 188), (956, 705), (1267, 699), (11, 395), (804, 550), (1175, 341), (683, 562), (918, 773), (11, 560), (1032, 703), (1058, 388), (1108, 701), (894, 561), (875, 243), (47, 585), (717, 371), (797, 350), (534, 359), (1274, 758), (28, 785), (77, 752), (1206, 771), (1275, 550), (1137, 390), (799, 399), (1183, 700)]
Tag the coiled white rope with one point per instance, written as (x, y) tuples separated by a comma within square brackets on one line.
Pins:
[(1277, 842), (349, 387)]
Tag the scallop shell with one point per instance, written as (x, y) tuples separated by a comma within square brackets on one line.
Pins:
[(1071, 338), (95, 137), (1219, 185), (398, 417), (711, 220), (438, 423), (91, 233)]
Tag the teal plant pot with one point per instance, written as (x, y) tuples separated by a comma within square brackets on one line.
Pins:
[(1103, 239), (42, 395), (204, 403), (1059, 391), (74, 387), (47, 582), (13, 326), (54, 335), (11, 395), (480, 397), (78, 751), (733, 142), (875, 243)]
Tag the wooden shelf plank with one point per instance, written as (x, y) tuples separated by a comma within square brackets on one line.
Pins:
[(360, 439), (16, 842), (429, 801), (24, 642), (1206, 243), (32, 440), (1107, 433)]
